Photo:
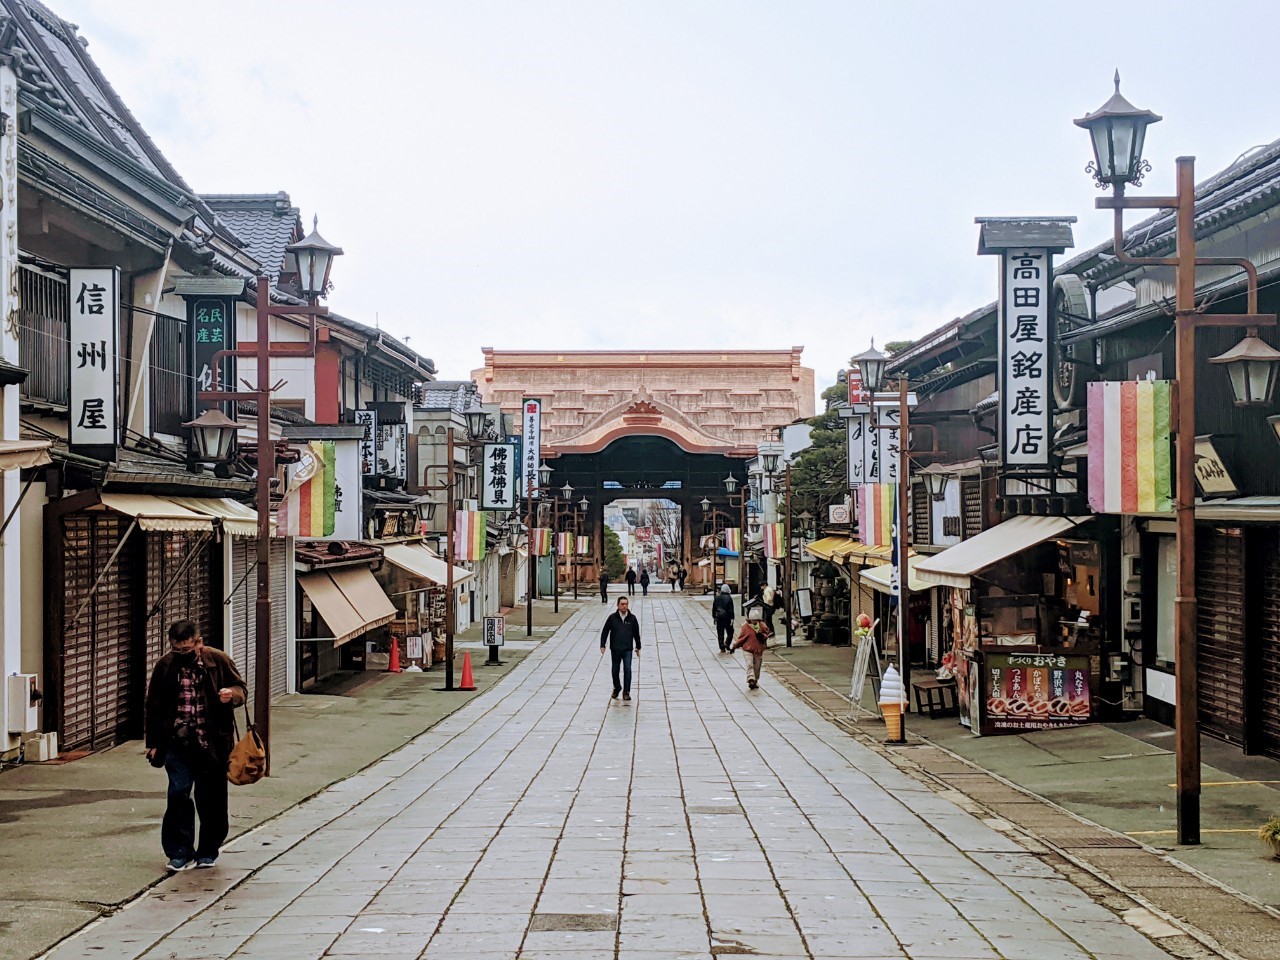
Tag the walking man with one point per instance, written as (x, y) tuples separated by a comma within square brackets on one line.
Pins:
[(754, 640), (604, 585), (722, 616), (682, 574), (191, 703), (644, 581), (622, 633), (631, 581)]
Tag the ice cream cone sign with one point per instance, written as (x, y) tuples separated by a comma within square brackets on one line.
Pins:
[(893, 699)]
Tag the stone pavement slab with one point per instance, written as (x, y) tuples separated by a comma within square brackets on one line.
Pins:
[(698, 820)]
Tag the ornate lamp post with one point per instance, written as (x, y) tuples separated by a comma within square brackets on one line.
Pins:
[(739, 500), (313, 259), (872, 365), (1118, 132)]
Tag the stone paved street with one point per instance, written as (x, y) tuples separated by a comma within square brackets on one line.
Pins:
[(545, 820)]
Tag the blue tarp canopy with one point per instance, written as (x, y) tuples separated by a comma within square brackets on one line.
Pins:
[(726, 552)]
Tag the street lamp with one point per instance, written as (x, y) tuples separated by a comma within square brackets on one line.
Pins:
[(872, 364), (312, 258), (769, 455), (213, 432), (739, 500), (1118, 131), (936, 483)]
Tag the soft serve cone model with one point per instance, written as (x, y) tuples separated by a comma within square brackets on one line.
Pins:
[(893, 699)]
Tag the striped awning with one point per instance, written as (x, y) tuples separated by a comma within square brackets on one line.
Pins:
[(349, 600), (158, 513), (844, 550)]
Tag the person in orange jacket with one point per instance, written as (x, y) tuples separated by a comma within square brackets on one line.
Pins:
[(753, 638)]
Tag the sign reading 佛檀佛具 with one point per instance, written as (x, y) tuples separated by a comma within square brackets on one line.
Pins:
[(497, 480)]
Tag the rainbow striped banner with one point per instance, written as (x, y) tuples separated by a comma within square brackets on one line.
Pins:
[(584, 546), (310, 501), (540, 541), (733, 539), (469, 529), (564, 544), (875, 513), (773, 541), (1130, 454)]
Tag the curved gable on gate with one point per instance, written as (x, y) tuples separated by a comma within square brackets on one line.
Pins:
[(643, 416)]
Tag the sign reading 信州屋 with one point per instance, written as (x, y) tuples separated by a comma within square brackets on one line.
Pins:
[(94, 296)]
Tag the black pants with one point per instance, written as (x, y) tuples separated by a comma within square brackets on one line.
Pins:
[(604, 593), (621, 658), (208, 777), (631, 588), (645, 587), (724, 633)]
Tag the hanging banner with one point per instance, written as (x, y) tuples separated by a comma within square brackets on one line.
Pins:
[(774, 541), (875, 513), (888, 419), (564, 544), (92, 338), (584, 546), (368, 419), (733, 539), (863, 455), (854, 379), (1026, 408), (1130, 452), (540, 541), (530, 443), (497, 481), (393, 450), (308, 506), (469, 529)]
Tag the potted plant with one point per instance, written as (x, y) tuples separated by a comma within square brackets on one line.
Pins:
[(1269, 833)]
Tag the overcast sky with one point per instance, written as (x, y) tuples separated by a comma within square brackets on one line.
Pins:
[(658, 175)]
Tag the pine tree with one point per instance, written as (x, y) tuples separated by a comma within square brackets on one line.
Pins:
[(614, 564)]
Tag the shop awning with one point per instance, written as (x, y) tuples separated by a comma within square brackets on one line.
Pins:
[(879, 578), (417, 560), (842, 549), (349, 600), (237, 519), (16, 454), (1262, 509), (158, 513), (954, 566)]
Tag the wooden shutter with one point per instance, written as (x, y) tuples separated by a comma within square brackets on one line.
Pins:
[(921, 508), (1220, 627), (971, 504), (1268, 653), (189, 591), (101, 690), (244, 623)]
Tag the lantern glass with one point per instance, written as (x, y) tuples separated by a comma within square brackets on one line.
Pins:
[(213, 433), (1118, 131), (705, 504), (770, 462), (936, 484), (566, 492), (871, 365), (477, 420), (583, 504), (731, 483), (544, 476), (1252, 366), (313, 256)]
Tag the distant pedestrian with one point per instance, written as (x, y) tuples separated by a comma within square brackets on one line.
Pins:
[(682, 575), (190, 710), (644, 581), (604, 586), (768, 603), (622, 633), (754, 640), (631, 581), (722, 616)]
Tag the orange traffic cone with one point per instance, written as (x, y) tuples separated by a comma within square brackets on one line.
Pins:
[(468, 681), (393, 665)]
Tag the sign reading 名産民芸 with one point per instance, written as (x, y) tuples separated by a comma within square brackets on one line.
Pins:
[(530, 442), (497, 477), (368, 419), (94, 296), (212, 322), (1026, 408), (495, 629)]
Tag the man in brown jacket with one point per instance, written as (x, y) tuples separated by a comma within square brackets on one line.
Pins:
[(753, 638), (191, 703)]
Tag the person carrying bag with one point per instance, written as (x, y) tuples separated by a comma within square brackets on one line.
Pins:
[(248, 760)]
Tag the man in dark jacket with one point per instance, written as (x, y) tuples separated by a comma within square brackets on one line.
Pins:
[(722, 615), (191, 703), (644, 581), (631, 581), (604, 586), (622, 632)]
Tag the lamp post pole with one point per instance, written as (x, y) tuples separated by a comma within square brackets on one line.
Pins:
[(451, 614), (904, 579), (786, 563), (266, 473)]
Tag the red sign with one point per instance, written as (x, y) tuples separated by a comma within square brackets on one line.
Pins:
[(855, 386), (644, 534)]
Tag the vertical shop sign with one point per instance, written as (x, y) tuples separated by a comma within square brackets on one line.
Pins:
[(497, 479), (1026, 408), (368, 442), (531, 442), (888, 420), (212, 324), (93, 342), (860, 450)]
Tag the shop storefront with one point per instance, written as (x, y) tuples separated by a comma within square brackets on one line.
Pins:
[(341, 608), (839, 592), (415, 577), (1032, 611)]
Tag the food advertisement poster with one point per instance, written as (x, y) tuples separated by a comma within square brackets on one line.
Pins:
[(1034, 691)]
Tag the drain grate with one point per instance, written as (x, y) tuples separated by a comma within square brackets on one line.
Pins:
[(711, 809), (574, 921), (1102, 840)]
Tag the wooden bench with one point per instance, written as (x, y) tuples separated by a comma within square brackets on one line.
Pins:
[(936, 694)]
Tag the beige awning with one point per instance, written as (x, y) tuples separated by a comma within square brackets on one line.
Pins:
[(955, 566), (880, 578), (349, 599), (237, 519), (418, 560), (158, 513), (17, 454)]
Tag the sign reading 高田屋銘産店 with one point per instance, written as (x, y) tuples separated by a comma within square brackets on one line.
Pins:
[(94, 296), (1025, 356)]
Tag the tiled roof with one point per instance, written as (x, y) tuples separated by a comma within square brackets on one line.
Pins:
[(455, 395), (265, 222)]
